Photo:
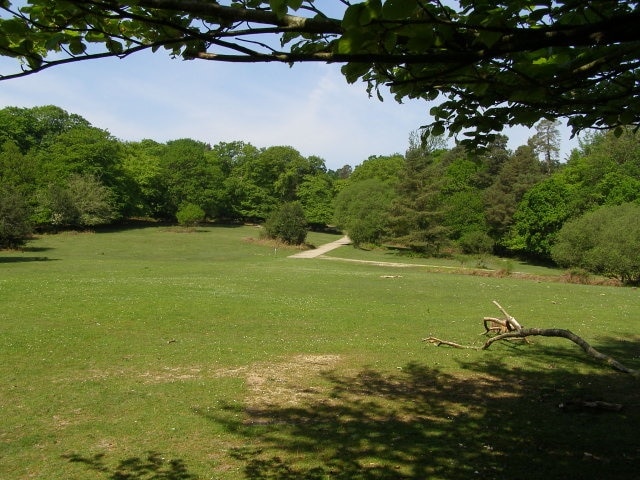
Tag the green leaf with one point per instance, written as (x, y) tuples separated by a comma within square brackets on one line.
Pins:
[(76, 47), (437, 129), (95, 37), (351, 42), (353, 71), (352, 16), (398, 9), (34, 60), (279, 7), (489, 38), (13, 27), (114, 47), (372, 10), (54, 41)]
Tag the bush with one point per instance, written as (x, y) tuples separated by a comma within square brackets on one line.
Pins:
[(605, 241), (366, 230), (476, 242), (92, 201), (83, 202), (15, 227), (189, 215), (287, 224)]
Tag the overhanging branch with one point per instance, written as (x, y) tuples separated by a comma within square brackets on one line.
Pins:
[(213, 9)]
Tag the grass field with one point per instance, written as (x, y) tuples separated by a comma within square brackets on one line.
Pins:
[(152, 353)]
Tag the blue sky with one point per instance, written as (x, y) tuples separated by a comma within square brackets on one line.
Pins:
[(309, 107)]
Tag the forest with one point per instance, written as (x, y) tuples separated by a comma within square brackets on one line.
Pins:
[(57, 171)]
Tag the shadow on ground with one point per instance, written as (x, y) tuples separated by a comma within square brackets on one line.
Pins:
[(493, 419), (25, 259), (151, 467), (492, 422)]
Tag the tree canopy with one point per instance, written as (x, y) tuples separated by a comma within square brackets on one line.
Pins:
[(490, 64), (605, 241)]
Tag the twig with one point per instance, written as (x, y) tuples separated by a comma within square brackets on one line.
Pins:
[(439, 342)]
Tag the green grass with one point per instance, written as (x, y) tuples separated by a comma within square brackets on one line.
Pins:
[(455, 262), (155, 353)]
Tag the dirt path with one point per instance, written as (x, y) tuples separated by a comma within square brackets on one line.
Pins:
[(316, 252)]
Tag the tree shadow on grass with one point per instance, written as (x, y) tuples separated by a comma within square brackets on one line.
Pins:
[(552, 353), (152, 467), (31, 248), (491, 422), (25, 259)]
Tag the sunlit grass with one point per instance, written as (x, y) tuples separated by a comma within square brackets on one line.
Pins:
[(124, 351), (454, 262)]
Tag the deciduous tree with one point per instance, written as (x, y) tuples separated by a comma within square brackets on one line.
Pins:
[(287, 224), (82, 202), (316, 194), (15, 227), (605, 241), (540, 215), (362, 210)]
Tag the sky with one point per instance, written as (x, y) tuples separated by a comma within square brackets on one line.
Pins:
[(310, 107)]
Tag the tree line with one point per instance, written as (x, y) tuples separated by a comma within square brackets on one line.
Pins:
[(58, 171), (582, 214), (63, 172)]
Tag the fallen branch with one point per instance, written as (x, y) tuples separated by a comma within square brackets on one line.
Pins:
[(500, 326), (510, 328), (559, 332), (511, 322), (439, 342)]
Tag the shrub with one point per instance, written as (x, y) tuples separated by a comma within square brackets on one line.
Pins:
[(92, 201), (605, 241), (83, 202), (14, 218), (476, 242), (189, 215), (287, 224)]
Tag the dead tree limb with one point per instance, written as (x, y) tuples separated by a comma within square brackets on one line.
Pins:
[(510, 321), (569, 335), (500, 326), (492, 324), (510, 328), (439, 342)]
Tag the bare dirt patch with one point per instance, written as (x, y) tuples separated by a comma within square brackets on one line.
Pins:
[(287, 384)]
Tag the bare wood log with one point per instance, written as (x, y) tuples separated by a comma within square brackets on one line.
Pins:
[(510, 320), (492, 324), (500, 326), (439, 342), (559, 332)]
